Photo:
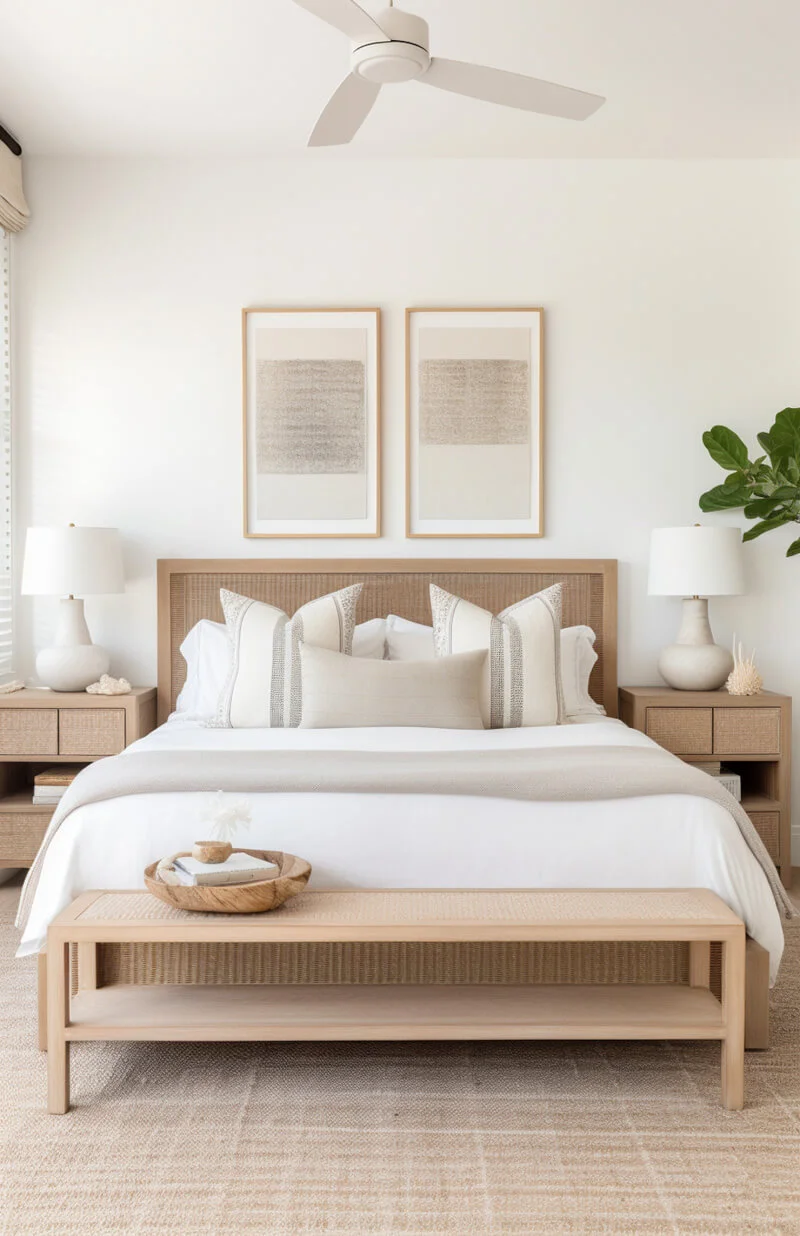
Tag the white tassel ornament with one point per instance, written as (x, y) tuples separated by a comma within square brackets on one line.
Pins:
[(744, 678)]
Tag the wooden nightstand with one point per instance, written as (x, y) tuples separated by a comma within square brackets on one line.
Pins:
[(751, 734), (39, 728)]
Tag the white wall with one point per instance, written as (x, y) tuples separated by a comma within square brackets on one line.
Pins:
[(671, 298)]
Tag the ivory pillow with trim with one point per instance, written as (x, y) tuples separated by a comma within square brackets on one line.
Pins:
[(521, 679), (264, 684), (342, 692)]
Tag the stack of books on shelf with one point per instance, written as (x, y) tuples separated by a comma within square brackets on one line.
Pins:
[(238, 868), (731, 780), (50, 785)]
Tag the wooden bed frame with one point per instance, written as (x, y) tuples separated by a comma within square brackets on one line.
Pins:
[(188, 590)]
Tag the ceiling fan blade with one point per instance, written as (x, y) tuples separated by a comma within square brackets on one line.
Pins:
[(346, 111), (348, 17), (510, 89)]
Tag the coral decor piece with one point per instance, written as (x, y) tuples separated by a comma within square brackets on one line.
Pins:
[(744, 678), (109, 686), (226, 816)]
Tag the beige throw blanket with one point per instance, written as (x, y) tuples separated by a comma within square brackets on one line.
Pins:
[(572, 774)]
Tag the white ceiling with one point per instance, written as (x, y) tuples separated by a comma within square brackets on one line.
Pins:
[(683, 78)]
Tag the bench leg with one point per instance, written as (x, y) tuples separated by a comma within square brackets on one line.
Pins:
[(733, 990), (57, 1017), (756, 998)]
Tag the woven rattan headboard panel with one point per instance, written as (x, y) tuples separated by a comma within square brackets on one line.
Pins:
[(188, 590)]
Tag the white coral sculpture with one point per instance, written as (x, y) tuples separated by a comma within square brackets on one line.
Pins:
[(109, 686), (744, 678), (226, 816)]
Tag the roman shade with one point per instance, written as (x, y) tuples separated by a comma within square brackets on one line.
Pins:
[(14, 213)]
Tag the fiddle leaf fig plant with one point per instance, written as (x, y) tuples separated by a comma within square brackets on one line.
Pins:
[(767, 488)]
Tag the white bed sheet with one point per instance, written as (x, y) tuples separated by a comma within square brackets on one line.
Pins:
[(418, 840)]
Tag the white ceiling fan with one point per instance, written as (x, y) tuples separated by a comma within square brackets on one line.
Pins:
[(393, 47)]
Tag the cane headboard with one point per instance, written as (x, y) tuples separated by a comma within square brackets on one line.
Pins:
[(188, 590)]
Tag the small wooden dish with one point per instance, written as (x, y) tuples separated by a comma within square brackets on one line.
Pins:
[(252, 898)]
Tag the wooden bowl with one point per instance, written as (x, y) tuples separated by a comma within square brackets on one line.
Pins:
[(252, 898)]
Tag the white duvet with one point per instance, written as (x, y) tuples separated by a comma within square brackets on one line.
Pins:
[(421, 841)]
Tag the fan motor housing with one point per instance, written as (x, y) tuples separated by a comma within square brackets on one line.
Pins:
[(404, 56)]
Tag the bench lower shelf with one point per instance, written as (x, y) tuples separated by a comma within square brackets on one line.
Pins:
[(226, 1013)]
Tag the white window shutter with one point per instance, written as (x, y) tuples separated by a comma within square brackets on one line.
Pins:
[(6, 590)]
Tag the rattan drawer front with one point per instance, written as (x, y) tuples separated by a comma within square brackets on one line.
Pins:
[(768, 826), (686, 731), (91, 731), (28, 731), (21, 832), (747, 731)]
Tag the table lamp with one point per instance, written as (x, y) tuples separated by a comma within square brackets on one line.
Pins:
[(695, 563), (63, 562)]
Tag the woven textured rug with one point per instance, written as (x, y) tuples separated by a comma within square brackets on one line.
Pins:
[(468, 1139)]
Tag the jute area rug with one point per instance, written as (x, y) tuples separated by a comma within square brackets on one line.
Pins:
[(461, 1139)]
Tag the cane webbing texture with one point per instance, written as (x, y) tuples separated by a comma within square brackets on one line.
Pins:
[(29, 731), (91, 731), (747, 731), (195, 595), (370, 963), (685, 731), (768, 826)]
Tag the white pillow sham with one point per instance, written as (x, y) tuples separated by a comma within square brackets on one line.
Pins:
[(340, 691), (264, 684), (413, 641), (521, 679), (207, 653)]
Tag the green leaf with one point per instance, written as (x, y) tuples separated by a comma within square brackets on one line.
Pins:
[(765, 441), (785, 434), (767, 525), (786, 493), (725, 448), (734, 480), (760, 508), (793, 549), (720, 498)]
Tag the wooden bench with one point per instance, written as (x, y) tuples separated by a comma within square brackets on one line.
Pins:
[(348, 1012)]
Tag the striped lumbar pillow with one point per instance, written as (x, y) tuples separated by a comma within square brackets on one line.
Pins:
[(521, 682), (264, 684)]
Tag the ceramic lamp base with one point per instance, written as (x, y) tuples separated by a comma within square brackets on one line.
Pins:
[(74, 661), (695, 662)]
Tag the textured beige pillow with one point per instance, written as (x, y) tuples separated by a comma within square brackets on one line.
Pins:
[(341, 691), (522, 674)]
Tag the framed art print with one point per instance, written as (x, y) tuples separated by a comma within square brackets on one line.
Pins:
[(311, 422), (474, 422)]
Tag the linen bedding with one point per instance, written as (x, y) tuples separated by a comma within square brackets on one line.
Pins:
[(400, 840)]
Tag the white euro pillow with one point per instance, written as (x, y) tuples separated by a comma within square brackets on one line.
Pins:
[(342, 692)]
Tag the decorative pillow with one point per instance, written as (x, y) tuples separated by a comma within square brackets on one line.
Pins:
[(341, 691), (521, 680), (578, 658), (369, 639), (264, 686)]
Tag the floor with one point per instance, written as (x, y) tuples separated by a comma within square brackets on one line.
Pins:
[(391, 1139)]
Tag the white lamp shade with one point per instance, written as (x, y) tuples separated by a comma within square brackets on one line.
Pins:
[(696, 561), (72, 562)]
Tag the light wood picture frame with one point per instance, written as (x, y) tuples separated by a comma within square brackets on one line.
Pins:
[(311, 422), (474, 422)]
